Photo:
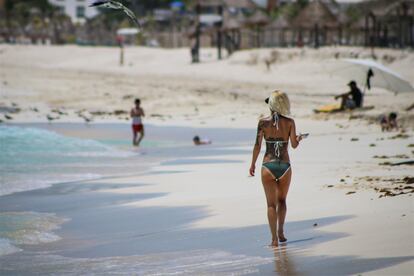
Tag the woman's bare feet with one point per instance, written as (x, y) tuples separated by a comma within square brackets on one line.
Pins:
[(274, 243), (282, 237)]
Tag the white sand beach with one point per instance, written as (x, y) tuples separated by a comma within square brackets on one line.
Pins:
[(75, 80), (190, 210)]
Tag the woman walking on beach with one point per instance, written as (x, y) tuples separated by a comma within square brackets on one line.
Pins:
[(277, 130)]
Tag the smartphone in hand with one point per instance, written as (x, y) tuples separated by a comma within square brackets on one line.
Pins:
[(304, 135)]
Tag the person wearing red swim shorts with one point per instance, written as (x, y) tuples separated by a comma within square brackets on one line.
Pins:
[(137, 127)]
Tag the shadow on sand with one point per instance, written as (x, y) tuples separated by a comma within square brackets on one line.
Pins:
[(116, 237)]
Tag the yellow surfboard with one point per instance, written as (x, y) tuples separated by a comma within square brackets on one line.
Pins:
[(329, 108)]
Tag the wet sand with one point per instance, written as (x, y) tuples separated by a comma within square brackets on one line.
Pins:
[(199, 213)]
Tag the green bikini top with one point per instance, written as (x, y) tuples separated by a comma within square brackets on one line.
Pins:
[(277, 146)]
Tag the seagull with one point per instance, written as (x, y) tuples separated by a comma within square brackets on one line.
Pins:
[(111, 4)]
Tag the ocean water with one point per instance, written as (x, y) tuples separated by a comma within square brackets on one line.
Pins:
[(38, 157), (33, 158), (192, 262), (26, 228)]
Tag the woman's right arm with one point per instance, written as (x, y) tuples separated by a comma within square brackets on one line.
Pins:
[(256, 148), (294, 139)]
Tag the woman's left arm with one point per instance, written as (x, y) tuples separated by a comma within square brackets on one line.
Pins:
[(257, 147), (294, 139)]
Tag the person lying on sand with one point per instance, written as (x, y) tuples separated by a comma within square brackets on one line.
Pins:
[(351, 99), (277, 130), (389, 123), (137, 127), (198, 141)]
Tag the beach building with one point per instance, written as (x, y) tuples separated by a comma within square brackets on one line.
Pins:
[(174, 28), (222, 23), (253, 24), (381, 23), (167, 28), (378, 23), (278, 32), (389, 23), (229, 24), (316, 25), (77, 10)]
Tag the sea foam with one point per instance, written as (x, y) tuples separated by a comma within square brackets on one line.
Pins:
[(23, 228)]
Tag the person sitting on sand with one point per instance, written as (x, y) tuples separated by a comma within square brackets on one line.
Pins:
[(198, 142), (389, 123), (137, 127), (351, 99), (277, 130)]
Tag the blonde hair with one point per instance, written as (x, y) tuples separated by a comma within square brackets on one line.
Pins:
[(279, 103)]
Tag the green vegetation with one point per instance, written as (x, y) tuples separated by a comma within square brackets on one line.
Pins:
[(354, 13), (35, 19), (290, 10)]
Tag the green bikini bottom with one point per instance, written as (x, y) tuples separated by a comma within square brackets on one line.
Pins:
[(277, 168)]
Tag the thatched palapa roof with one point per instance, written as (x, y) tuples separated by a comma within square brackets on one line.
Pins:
[(239, 3), (387, 9), (225, 3), (316, 12), (258, 18), (383, 10), (280, 23)]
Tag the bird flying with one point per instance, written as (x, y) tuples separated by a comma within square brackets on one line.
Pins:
[(115, 5)]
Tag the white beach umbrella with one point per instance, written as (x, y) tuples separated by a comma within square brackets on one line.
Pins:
[(383, 77), (210, 18), (127, 31)]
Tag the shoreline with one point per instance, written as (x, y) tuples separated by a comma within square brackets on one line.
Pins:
[(157, 148)]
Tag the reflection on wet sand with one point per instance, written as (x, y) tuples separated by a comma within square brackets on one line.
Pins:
[(283, 265)]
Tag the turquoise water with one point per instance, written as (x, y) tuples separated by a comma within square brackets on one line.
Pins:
[(36, 157), (33, 158), (22, 146)]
